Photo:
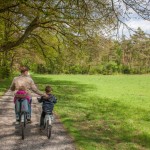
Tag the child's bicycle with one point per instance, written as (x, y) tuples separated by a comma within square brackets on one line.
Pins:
[(48, 123), (48, 120), (22, 110)]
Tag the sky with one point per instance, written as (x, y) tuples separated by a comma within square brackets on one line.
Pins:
[(134, 24), (133, 19), (143, 24)]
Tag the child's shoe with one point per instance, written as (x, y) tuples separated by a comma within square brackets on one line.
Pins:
[(29, 120)]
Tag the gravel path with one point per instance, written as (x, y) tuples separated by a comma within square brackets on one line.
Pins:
[(10, 134)]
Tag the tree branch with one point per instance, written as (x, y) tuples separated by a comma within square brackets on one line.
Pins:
[(7, 8), (33, 25)]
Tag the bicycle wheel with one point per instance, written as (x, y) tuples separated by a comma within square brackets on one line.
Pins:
[(23, 124), (22, 130), (25, 119), (49, 129)]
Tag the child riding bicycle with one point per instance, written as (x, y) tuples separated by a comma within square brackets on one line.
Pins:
[(21, 94), (47, 104)]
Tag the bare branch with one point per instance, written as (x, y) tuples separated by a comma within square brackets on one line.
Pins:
[(8, 8), (39, 37)]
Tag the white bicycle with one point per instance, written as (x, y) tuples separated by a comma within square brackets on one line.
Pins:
[(48, 121), (48, 124)]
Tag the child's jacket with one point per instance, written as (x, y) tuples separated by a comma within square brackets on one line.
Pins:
[(48, 103)]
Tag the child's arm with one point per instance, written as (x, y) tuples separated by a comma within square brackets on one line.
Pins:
[(54, 99), (40, 100)]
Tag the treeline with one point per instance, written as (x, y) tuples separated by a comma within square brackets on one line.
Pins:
[(94, 55), (98, 55)]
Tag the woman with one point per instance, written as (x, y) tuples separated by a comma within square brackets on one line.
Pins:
[(25, 80)]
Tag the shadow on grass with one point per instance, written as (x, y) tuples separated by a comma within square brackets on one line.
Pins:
[(94, 121), (104, 125), (62, 87)]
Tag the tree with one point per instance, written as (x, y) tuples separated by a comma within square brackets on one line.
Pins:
[(33, 25), (67, 18), (136, 54)]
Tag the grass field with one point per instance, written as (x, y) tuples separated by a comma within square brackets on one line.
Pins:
[(103, 112)]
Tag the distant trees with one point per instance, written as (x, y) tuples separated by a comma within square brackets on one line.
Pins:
[(136, 52), (99, 55)]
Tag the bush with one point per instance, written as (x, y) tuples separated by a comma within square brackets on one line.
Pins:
[(126, 70), (110, 68), (95, 70), (76, 69), (4, 72)]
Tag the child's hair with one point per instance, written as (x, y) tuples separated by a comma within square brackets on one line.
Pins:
[(48, 89), (23, 69), (22, 88)]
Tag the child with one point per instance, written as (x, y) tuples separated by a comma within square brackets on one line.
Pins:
[(48, 104), (22, 92)]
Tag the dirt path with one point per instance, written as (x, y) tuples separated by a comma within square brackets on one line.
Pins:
[(10, 136)]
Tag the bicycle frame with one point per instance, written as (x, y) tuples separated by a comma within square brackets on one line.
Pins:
[(23, 108), (48, 117), (48, 124)]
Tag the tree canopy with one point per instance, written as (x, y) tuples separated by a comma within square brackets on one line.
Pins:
[(22, 20), (49, 29)]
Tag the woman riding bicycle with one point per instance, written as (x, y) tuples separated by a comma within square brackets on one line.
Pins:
[(25, 80)]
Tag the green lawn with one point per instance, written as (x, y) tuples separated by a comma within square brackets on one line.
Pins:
[(103, 112)]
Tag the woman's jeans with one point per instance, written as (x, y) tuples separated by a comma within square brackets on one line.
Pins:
[(28, 114)]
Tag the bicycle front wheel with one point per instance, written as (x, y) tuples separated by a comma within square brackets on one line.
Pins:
[(49, 129)]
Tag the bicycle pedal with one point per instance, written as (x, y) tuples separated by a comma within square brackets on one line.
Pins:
[(29, 121)]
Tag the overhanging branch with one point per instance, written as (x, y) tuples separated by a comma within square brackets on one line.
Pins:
[(30, 28), (7, 8)]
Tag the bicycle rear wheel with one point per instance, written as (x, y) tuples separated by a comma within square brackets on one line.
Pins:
[(22, 130), (25, 119), (49, 129), (23, 125)]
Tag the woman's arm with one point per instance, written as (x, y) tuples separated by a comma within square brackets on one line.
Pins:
[(35, 89), (40, 100), (12, 87)]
